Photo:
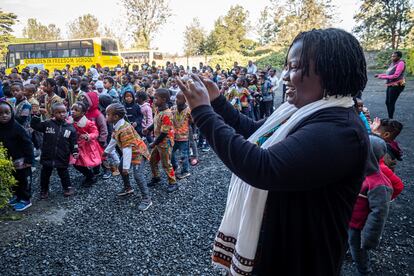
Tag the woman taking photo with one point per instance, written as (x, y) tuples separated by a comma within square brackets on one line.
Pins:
[(297, 173), (395, 81)]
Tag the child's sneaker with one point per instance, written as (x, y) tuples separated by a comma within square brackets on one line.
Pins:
[(154, 181), (145, 204), (106, 175), (22, 205), (14, 200), (183, 175), (194, 162), (44, 195), (172, 188), (69, 192), (115, 171), (126, 191)]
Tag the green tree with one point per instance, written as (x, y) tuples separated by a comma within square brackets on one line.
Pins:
[(230, 30), (146, 17), (194, 38), (37, 31), (7, 20), (110, 33), (267, 27), (84, 26), (383, 23), (299, 16)]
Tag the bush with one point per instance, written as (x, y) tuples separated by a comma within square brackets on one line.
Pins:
[(275, 60), (6, 177), (226, 61)]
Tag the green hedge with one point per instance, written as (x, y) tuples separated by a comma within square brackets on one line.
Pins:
[(275, 60), (6, 177), (226, 61)]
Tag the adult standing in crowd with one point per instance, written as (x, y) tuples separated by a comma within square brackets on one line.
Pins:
[(395, 81), (251, 68), (289, 201)]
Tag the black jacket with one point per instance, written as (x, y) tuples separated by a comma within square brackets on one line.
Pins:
[(59, 141), (312, 177), (16, 140), (134, 114)]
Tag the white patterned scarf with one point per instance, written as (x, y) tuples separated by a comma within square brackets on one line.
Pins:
[(236, 242)]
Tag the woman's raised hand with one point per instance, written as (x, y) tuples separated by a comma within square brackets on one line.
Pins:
[(198, 91)]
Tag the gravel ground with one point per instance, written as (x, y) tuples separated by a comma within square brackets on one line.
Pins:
[(95, 232)]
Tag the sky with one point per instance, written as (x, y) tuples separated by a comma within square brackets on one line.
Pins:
[(170, 37)]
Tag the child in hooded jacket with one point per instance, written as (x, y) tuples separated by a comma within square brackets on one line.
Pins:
[(89, 149), (20, 149), (91, 100), (133, 110), (59, 142), (371, 209)]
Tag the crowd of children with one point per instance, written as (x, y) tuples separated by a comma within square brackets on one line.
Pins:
[(106, 126)]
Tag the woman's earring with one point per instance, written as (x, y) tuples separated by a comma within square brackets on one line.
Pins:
[(325, 94)]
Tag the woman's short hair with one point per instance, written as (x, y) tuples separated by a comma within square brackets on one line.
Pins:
[(398, 53), (339, 60)]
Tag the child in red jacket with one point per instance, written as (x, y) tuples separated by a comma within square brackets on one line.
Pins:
[(371, 209), (396, 182), (90, 151)]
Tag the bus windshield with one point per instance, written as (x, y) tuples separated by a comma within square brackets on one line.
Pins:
[(109, 47)]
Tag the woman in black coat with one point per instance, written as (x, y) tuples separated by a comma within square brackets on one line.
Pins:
[(297, 173)]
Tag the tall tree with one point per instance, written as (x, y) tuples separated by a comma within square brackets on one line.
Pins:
[(267, 27), (7, 20), (194, 37), (111, 33), (301, 15), (84, 26), (230, 30), (146, 17), (37, 31), (383, 22)]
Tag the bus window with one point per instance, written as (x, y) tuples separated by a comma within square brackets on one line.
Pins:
[(87, 44), (87, 48), (75, 52), (109, 47), (63, 53), (51, 53), (62, 45), (39, 46), (87, 52), (50, 46), (74, 44), (12, 61)]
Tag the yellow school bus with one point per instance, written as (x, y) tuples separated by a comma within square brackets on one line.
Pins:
[(56, 54)]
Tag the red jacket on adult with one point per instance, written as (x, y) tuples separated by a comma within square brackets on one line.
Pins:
[(396, 182), (90, 151)]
